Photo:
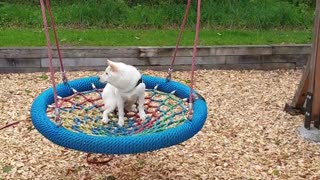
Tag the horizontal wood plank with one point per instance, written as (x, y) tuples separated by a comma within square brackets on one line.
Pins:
[(83, 58), (291, 49)]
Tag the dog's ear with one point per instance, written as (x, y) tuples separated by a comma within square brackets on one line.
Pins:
[(109, 61), (112, 65)]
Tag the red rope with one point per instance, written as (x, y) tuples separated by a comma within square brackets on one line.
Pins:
[(184, 22), (45, 23), (195, 51), (56, 40)]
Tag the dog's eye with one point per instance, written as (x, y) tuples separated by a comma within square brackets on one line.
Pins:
[(106, 73)]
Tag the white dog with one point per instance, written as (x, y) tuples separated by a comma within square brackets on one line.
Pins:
[(124, 88)]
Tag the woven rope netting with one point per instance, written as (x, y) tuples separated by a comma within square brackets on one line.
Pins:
[(82, 112)]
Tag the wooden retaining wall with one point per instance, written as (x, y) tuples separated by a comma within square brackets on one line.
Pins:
[(158, 58)]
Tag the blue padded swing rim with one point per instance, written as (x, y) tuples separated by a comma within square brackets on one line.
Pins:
[(122, 144)]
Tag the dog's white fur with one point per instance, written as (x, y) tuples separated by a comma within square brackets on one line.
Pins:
[(121, 91)]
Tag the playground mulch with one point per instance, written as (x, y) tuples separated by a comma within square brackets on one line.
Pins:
[(247, 134)]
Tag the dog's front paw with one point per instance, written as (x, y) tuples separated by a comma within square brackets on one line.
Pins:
[(142, 115), (105, 120), (121, 122)]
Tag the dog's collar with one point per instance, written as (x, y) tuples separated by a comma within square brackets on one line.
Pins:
[(139, 82)]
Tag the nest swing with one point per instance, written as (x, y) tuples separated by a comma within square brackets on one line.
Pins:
[(70, 114)]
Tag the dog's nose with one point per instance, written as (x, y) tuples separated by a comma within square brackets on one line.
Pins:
[(98, 78)]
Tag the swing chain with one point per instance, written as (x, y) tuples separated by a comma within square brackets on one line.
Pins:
[(64, 77), (195, 97), (170, 70), (190, 111), (57, 116)]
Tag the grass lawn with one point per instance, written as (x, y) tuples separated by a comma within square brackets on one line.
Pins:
[(19, 37)]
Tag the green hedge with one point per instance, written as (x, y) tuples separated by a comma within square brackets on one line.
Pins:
[(257, 14)]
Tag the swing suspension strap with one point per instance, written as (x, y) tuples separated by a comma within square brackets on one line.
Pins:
[(63, 73), (194, 54), (50, 54), (170, 70), (183, 25)]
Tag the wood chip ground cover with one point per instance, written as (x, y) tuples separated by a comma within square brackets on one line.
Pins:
[(247, 134)]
